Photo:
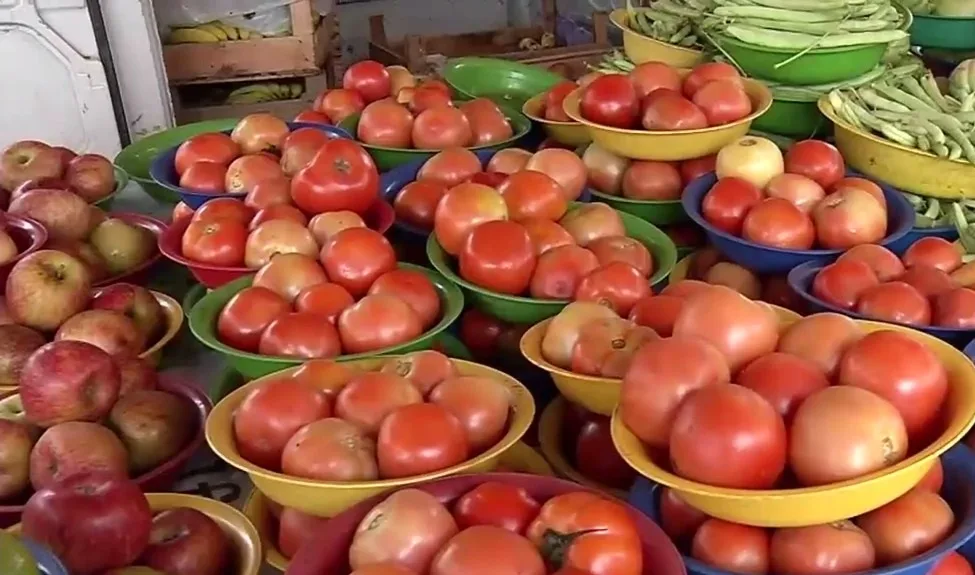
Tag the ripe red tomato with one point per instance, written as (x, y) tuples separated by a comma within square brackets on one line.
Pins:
[(355, 257), (560, 271), (598, 459), (278, 212), (450, 167), (413, 287), (732, 547), (289, 274), (780, 224), (841, 283), (368, 398), (605, 347), (933, 479), (428, 96), (651, 76), (533, 195), (934, 252), (480, 332), (244, 173), (341, 177), (313, 117), (955, 309), (895, 301), (652, 181), (610, 100), (722, 101), (864, 185), (799, 190), (245, 317), (302, 335), (417, 202), (330, 450), (420, 438), (216, 242), (268, 193), (295, 528), (327, 299), (480, 404), (669, 111), (659, 313), (931, 282), (339, 104), (547, 235), (563, 166), (462, 209), (508, 161), (735, 277), (616, 284), (442, 127), (821, 338), (784, 380), (553, 102), (709, 72), (488, 123), (908, 526), (499, 504), (817, 160), (678, 519), (498, 256), (884, 263), (181, 211), (485, 550), (377, 322), (727, 203), (369, 78), (224, 208), (839, 547), (622, 249), (424, 369), (690, 170), (385, 123), (204, 177), (209, 147), (953, 563)]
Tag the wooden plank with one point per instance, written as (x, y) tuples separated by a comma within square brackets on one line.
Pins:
[(222, 61)]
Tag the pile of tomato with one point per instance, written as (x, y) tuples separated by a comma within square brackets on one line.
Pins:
[(925, 286), (497, 527), (710, 266), (642, 179), (415, 414)]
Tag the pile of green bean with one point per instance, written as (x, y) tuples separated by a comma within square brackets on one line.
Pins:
[(906, 66), (935, 213), (913, 112), (670, 21)]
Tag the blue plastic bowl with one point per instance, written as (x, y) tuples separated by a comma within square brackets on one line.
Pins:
[(47, 562), (769, 260), (958, 491), (393, 181), (949, 233), (163, 169), (801, 279)]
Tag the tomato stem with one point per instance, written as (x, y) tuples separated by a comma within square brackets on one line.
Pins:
[(556, 545)]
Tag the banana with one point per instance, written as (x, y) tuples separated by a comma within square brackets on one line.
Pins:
[(231, 31), (192, 36), (215, 30), (281, 91), (295, 90), (251, 94)]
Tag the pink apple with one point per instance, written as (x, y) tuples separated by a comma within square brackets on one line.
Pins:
[(65, 215), (108, 330), (137, 303), (185, 541), (84, 253), (92, 176), (28, 160), (16, 441), (137, 375), (17, 344), (4, 312), (73, 448), (46, 288), (66, 155), (8, 248), (42, 184)]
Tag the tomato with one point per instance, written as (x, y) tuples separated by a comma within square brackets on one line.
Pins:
[(480, 332), (508, 161), (369, 78), (606, 169), (552, 103), (368, 398), (610, 100), (661, 375), (204, 177), (839, 547), (330, 450), (753, 159), (268, 193), (450, 167), (690, 170), (248, 313), (533, 195), (935, 252), (895, 301), (385, 123), (312, 117), (278, 212), (678, 519), (563, 166), (244, 173), (800, 191), (426, 97), (597, 458), (884, 263), (727, 203), (849, 217), (655, 181), (817, 160), (903, 371), (955, 309), (499, 504), (590, 222), (339, 104), (605, 347), (300, 334), (487, 121), (277, 237), (953, 563), (270, 414), (260, 132), (299, 148), (290, 274), (324, 374), (481, 404), (181, 211), (783, 380), (215, 242), (843, 282), (931, 282), (685, 288), (417, 202), (413, 287), (670, 112), (651, 76), (442, 127), (862, 431), (407, 528), (659, 313), (821, 338), (208, 147), (325, 299), (355, 258), (732, 547), (341, 177), (377, 322), (559, 272), (490, 179), (564, 330), (547, 235), (623, 249), (295, 529), (485, 550), (702, 261), (933, 479), (424, 369), (462, 209), (864, 185), (586, 531), (498, 256), (722, 101), (420, 438), (780, 224), (616, 284), (908, 526), (735, 277), (776, 291), (709, 72)]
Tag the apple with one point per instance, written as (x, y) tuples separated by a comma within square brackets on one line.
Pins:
[(17, 343), (96, 217), (136, 303), (295, 528), (109, 330), (849, 217), (325, 225), (134, 570), (5, 317), (92, 522), (4, 198), (185, 541), (28, 160), (66, 155), (124, 246), (92, 176), (41, 184), (46, 288), (8, 248), (16, 442), (73, 448), (86, 254), (136, 374), (68, 381), (154, 426), (65, 215)]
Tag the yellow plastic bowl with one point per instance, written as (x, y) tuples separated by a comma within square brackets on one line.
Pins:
[(174, 321), (904, 168), (681, 269), (329, 498), (550, 442), (568, 133), (520, 459), (243, 535), (640, 48), (828, 503)]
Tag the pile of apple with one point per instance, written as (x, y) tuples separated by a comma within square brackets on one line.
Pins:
[(99, 524), (414, 415), (708, 265), (642, 179), (27, 165), (927, 286)]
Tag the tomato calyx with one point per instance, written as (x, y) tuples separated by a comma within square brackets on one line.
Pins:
[(618, 343), (555, 546)]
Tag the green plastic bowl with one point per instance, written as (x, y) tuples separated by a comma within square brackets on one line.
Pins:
[(121, 182), (819, 66), (136, 158), (526, 310), (943, 33), (793, 119), (203, 323), (662, 212), (388, 158), (508, 83)]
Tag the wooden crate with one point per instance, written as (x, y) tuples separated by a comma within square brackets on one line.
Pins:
[(304, 53), (412, 51), (284, 109)]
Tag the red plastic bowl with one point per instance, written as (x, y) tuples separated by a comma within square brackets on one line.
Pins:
[(166, 475), (329, 553), (29, 235), (141, 274), (380, 218)]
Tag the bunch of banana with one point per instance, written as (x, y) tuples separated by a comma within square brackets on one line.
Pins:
[(210, 32), (265, 92)]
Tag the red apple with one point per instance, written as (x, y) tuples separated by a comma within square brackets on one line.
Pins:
[(5, 317), (8, 248), (42, 184), (28, 160), (65, 215), (153, 425), (91, 522), (68, 381), (135, 302), (73, 448), (136, 375), (109, 330), (17, 343), (849, 217), (46, 288), (84, 253), (66, 155), (295, 528), (92, 176), (185, 541), (16, 442)]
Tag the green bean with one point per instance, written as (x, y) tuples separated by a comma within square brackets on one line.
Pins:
[(875, 100), (923, 143), (680, 35), (954, 150), (941, 150), (798, 41), (676, 9), (952, 130), (930, 86), (818, 27), (913, 87), (901, 96), (779, 14)]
